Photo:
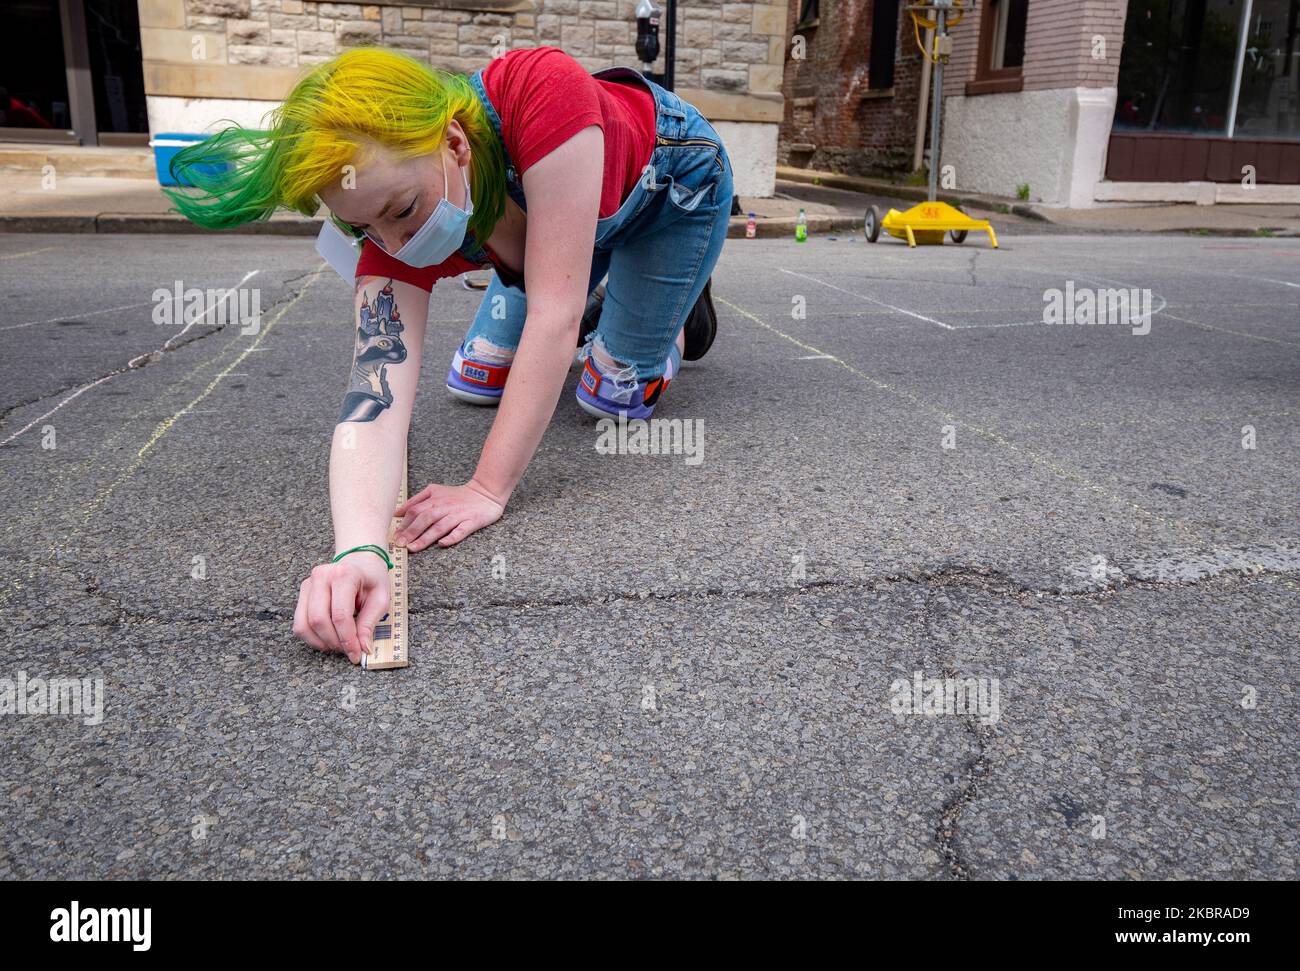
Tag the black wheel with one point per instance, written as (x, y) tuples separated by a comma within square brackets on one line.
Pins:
[(871, 224), (958, 235)]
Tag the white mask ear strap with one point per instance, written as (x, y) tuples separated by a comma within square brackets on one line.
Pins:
[(469, 197)]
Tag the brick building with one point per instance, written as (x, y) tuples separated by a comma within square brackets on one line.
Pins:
[(193, 63), (851, 88), (1076, 102)]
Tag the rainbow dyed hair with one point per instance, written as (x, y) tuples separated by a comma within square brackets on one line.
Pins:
[(367, 94)]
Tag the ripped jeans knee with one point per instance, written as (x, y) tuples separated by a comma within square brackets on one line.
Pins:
[(622, 377), (485, 352)]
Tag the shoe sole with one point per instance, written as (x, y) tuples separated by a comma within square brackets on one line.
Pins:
[(474, 399), (592, 410), (693, 350), (596, 411)]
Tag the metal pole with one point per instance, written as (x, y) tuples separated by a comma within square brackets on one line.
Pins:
[(1241, 63), (670, 46), (81, 90), (918, 154), (936, 111)]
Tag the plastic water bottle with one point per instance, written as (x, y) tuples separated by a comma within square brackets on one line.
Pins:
[(801, 228), (751, 227)]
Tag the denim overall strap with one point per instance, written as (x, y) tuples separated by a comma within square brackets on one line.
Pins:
[(670, 111), (471, 248)]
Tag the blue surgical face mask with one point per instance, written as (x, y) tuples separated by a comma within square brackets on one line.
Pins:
[(443, 232)]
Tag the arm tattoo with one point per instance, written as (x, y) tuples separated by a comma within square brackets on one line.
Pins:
[(379, 344)]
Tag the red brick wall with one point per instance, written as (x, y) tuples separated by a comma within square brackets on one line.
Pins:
[(828, 103), (1058, 45)]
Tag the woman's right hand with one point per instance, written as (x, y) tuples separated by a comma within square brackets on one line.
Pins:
[(340, 604)]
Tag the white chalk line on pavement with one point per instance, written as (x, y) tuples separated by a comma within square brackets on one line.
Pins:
[(1179, 269), (130, 365), (1037, 458), (1161, 302), (89, 313), (112, 310), (109, 442), (220, 303), (863, 296), (166, 425)]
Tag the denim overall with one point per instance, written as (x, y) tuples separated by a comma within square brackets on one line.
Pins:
[(658, 249)]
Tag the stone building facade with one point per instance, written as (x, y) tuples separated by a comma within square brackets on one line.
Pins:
[(208, 60)]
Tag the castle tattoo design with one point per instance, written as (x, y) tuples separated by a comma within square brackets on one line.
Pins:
[(378, 345)]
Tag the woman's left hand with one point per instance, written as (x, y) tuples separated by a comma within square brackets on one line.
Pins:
[(446, 514)]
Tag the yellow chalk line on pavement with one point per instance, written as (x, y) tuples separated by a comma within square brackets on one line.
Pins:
[(992, 436), (111, 440), (166, 425), (30, 252)]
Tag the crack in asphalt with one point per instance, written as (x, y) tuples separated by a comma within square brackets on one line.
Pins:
[(144, 359), (947, 829), (137, 363), (948, 576)]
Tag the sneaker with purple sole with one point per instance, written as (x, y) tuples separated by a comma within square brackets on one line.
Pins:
[(474, 381)]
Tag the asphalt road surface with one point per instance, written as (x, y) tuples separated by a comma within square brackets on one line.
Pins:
[(655, 667)]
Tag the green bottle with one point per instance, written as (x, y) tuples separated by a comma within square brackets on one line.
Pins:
[(801, 228)]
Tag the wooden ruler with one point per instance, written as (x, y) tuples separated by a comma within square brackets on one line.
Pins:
[(390, 646)]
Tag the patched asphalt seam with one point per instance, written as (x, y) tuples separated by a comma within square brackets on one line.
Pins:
[(970, 577)]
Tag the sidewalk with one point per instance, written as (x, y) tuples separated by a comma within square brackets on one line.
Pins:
[(1223, 219), (115, 191), (98, 204), (134, 203)]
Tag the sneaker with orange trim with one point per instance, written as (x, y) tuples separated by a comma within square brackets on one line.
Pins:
[(474, 381), (609, 393)]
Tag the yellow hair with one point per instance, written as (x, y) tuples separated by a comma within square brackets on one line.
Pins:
[(364, 95)]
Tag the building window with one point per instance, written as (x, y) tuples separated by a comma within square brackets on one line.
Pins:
[(1001, 54), (1186, 64), (1008, 48), (1269, 101), (808, 14), (884, 44)]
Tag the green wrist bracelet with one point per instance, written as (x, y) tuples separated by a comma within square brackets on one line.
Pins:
[(372, 547)]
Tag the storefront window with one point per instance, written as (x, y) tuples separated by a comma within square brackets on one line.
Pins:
[(1269, 104), (1179, 61), (33, 84)]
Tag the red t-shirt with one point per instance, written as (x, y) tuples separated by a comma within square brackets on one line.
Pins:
[(544, 97)]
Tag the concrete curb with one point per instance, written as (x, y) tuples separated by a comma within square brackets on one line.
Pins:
[(111, 222), (912, 193), (143, 222), (783, 226), (47, 222), (770, 227), (170, 223)]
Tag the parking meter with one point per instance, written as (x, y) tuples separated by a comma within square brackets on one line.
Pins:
[(647, 33)]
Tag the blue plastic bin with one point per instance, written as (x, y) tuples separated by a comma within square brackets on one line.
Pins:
[(166, 145)]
